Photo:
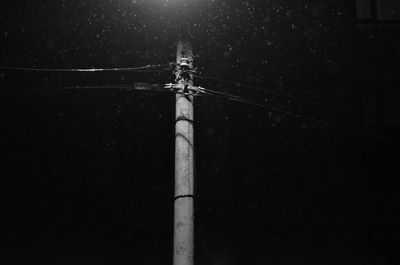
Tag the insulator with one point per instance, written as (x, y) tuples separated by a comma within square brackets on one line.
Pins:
[(184, 62)]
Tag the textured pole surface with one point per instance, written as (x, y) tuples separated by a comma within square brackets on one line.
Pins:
[(184, 170)]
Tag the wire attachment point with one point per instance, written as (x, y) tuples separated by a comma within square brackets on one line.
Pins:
[(187, 90)]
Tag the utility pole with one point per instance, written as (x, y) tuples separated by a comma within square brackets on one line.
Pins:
[(184, 159)]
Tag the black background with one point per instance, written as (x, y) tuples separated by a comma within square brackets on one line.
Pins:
[(88, 174)]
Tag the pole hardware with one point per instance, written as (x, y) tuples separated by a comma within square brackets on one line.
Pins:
[(188, 90)]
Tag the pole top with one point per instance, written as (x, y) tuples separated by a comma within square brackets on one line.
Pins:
[(184, 51)]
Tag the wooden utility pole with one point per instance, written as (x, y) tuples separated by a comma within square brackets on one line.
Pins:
[(184, 159)]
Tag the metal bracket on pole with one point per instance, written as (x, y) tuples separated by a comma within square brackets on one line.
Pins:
[(188, 90)]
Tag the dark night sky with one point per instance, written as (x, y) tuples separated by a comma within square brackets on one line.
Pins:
[(88, 174)]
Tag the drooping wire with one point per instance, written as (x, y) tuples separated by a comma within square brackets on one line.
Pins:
[(93, 87), (288, 112), (232, 97), (209, 92), (218, 94), (265, 90), (128, 87), (121, 69), (237, 84)]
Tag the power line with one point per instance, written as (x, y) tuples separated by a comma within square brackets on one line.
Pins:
[(210, 92), (289, 112), (238, 84), (324, 108), (121, 69), (149, 68), (136, 86), (95, 87), (128, 87), (358, 131), (218, 94)]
